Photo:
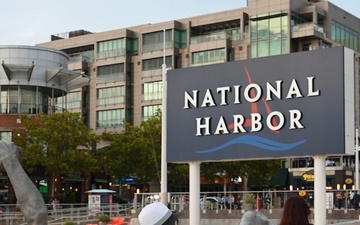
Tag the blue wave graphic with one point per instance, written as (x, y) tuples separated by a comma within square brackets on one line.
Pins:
[(256, 141)]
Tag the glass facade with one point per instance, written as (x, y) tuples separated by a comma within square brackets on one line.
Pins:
[(6, 136), (81, 54), (71, 101), (155, 41), (111, 73), (132, 46), (110, 118), (209, 57), (25, 100), (111, 48), (180, 39), (344, 35), (152, 91), (156, 63), (110, 96), (269, 35), (149, 111)]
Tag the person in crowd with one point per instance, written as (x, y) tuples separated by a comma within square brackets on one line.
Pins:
[(296, 212), (339, 199), (356, 200), (158, 214), (351, 196)]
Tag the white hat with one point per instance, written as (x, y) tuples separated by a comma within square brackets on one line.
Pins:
[(156, 214)]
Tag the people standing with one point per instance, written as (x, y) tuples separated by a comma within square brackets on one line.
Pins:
[(339, 198), (296, 212), (351, 196), (356, 200)]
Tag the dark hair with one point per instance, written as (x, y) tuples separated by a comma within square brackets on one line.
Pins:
[(296, 212)]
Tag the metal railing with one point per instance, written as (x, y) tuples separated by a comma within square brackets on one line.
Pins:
[(237, 200), (79, 213)]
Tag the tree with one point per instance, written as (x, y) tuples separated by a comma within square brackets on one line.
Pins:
[(259, 170), (137, 152), (61, 143)]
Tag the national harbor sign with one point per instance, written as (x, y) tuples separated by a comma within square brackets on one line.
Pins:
[(299, 104)]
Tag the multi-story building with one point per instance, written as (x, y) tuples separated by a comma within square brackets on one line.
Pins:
[(30, 79), (124, 65)]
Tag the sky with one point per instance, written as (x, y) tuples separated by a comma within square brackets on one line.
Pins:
[(29, 22)]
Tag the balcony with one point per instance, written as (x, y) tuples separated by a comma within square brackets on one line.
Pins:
[(307, 30), (78, 62), (156, 46), (110, 78), (209, 62), (111, 54)]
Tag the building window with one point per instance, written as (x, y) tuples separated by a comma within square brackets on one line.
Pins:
[(81, 54), (307, 47), (155, 41), (180, 39), (149, 111), (110, 118), (154, 64), (71, 101), (111, 48), (152, 91), (209, 57), (27, 100), (344, 35), (6, 136), (269, 35), (132, 46), (110, 96), (111, 73)]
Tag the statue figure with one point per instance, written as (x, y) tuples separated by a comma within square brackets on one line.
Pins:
[(254, 217), (30, 201)]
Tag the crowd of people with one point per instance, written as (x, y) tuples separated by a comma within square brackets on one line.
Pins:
[(353, 197)]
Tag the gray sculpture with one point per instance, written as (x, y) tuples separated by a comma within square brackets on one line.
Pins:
[(30, 201), (255, 218)]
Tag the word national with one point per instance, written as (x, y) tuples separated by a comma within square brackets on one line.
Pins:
[(252, 93)]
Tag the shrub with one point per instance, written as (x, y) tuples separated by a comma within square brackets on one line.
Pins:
[(104, 218), (250, 200), (69, 222)]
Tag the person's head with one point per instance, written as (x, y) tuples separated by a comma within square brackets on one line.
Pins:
[(157, 214), (296, 212)]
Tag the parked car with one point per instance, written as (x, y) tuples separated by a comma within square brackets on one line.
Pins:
[(211, 203), (122, 200)]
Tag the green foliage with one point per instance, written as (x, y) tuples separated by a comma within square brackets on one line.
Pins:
[(104, 218), (69, 222), (260, 171), (250, 199), (137, 152), (60, 143)]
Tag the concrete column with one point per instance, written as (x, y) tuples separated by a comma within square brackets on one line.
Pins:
[(194, 211), (319, 190)]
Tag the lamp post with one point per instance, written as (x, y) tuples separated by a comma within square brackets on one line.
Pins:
[(163, 184)]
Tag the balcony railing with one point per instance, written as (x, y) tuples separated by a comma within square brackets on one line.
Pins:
[(111, 101), (209, 62), (307, 26), (79, 58), (109, 123), (110, 54), (210, 37), (156, 46), (153, 73), (115, 77)]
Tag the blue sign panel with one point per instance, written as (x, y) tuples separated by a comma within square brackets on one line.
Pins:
[(280, 106)]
